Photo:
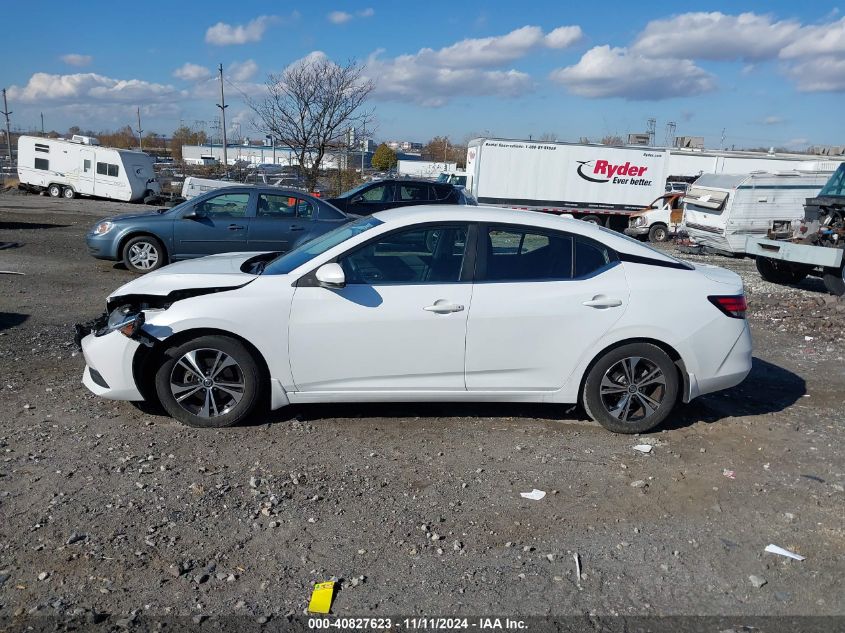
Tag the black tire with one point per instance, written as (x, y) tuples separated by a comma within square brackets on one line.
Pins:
[(55, 191), (778, 272), (68, 193), (592, 219), (834, 280), (144, 254), (658, 233), (662, 389), (209, 407)]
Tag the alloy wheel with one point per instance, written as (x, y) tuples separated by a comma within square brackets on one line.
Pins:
[(143, 255), (207, 382), (633, 389)]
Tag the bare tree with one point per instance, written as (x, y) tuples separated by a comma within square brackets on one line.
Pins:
[(548, 136), (612, 139), (310, 108)]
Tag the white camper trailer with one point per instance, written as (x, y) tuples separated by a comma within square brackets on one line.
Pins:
[(81, 167), (721, 210)]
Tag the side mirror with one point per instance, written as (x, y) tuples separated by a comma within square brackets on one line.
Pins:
[(357, 200), (330, 276), (194, 213)]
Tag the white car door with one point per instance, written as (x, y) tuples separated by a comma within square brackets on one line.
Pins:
[(399, 324), (542, 301)]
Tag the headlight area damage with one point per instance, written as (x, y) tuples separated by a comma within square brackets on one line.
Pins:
[(125, 314)]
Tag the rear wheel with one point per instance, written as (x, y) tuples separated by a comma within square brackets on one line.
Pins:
[(778, 272), (658, 233), (834, 280), (631, 389), (68, 193), (209, 382), (144, 254), (55, 191)]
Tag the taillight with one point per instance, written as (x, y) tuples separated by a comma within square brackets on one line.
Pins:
[(733, 306)]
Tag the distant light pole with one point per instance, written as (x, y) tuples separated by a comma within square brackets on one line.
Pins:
[(42, 124), (6, 113), (222, 105), (139, 131)]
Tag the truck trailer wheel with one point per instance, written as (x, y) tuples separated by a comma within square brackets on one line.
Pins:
[(778, 272), (68, 193), (658, 233), (834, 280), (55, 191)]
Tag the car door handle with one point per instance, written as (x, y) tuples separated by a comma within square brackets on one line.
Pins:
[(297, 228), (442, 306), (235, 227), (600, 301)]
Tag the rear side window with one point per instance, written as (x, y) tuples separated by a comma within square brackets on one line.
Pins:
[(441, 192), (413, 192), (590, 257), (517, 255), (108, 169)]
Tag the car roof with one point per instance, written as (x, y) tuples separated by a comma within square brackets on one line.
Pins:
[(402, 216)]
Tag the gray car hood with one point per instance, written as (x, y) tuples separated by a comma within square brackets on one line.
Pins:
[(214, 271)]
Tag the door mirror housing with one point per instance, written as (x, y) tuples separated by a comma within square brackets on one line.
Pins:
[(330, 276), (356, 200), (194, 213)]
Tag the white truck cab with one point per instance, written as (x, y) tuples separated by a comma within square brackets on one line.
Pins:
[(659, 220)]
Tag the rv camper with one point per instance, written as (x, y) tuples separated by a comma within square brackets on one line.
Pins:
[(79, 166), (721, 210)]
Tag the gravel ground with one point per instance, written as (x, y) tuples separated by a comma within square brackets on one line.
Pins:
[(414, 508)]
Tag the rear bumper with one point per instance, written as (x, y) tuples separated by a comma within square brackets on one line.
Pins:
[(733, 369)]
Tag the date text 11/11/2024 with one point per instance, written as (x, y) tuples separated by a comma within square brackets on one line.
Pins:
[(418, 623)]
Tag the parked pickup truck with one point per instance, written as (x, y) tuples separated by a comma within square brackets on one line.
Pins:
[(658, 220), (814, 245)]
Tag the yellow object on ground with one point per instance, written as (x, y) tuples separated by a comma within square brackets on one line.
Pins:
[(321, 597)]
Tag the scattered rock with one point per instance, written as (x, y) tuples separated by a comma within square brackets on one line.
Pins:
[(757, 581)]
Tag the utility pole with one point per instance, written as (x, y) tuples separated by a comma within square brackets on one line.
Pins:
[(6, 113), (42, 124), (445, 147), (139, 131), (222, 105), (363, 147), (722, 142)]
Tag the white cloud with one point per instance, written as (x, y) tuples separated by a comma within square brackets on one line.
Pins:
[(772, 120), (819, 74), (339, 17), (826, 39), (564, 37), (242, 71), (44, 87), (406, 79), (618, 72), (192, 72), (75, 59), (715, 36), (366, 13), (222, 34)]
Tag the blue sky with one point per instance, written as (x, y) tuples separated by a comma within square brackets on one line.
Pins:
[(767, 72)]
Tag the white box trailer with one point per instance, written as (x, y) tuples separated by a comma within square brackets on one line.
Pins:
[(424, 168), (590, 182), (75, 167), (722, 210)]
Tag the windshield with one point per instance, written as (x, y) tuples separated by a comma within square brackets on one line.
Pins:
[(303, 254), (836, 185), (353, 191)]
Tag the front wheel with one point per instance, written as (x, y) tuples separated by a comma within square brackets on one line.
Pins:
[(209, 382), (631, 389), (778, 272), (658, 233), (55, 191), (144, 254)]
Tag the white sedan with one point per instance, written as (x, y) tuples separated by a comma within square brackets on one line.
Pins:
[(429, 303)]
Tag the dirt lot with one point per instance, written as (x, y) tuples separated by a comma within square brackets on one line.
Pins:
[(415, 508)]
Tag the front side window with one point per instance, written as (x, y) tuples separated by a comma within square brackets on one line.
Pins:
[(42, 163), (380, 193), (430, 254), (227, 205), (525, 255)]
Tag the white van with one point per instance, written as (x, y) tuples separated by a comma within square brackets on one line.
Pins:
[(721, 210), (81, 167)]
